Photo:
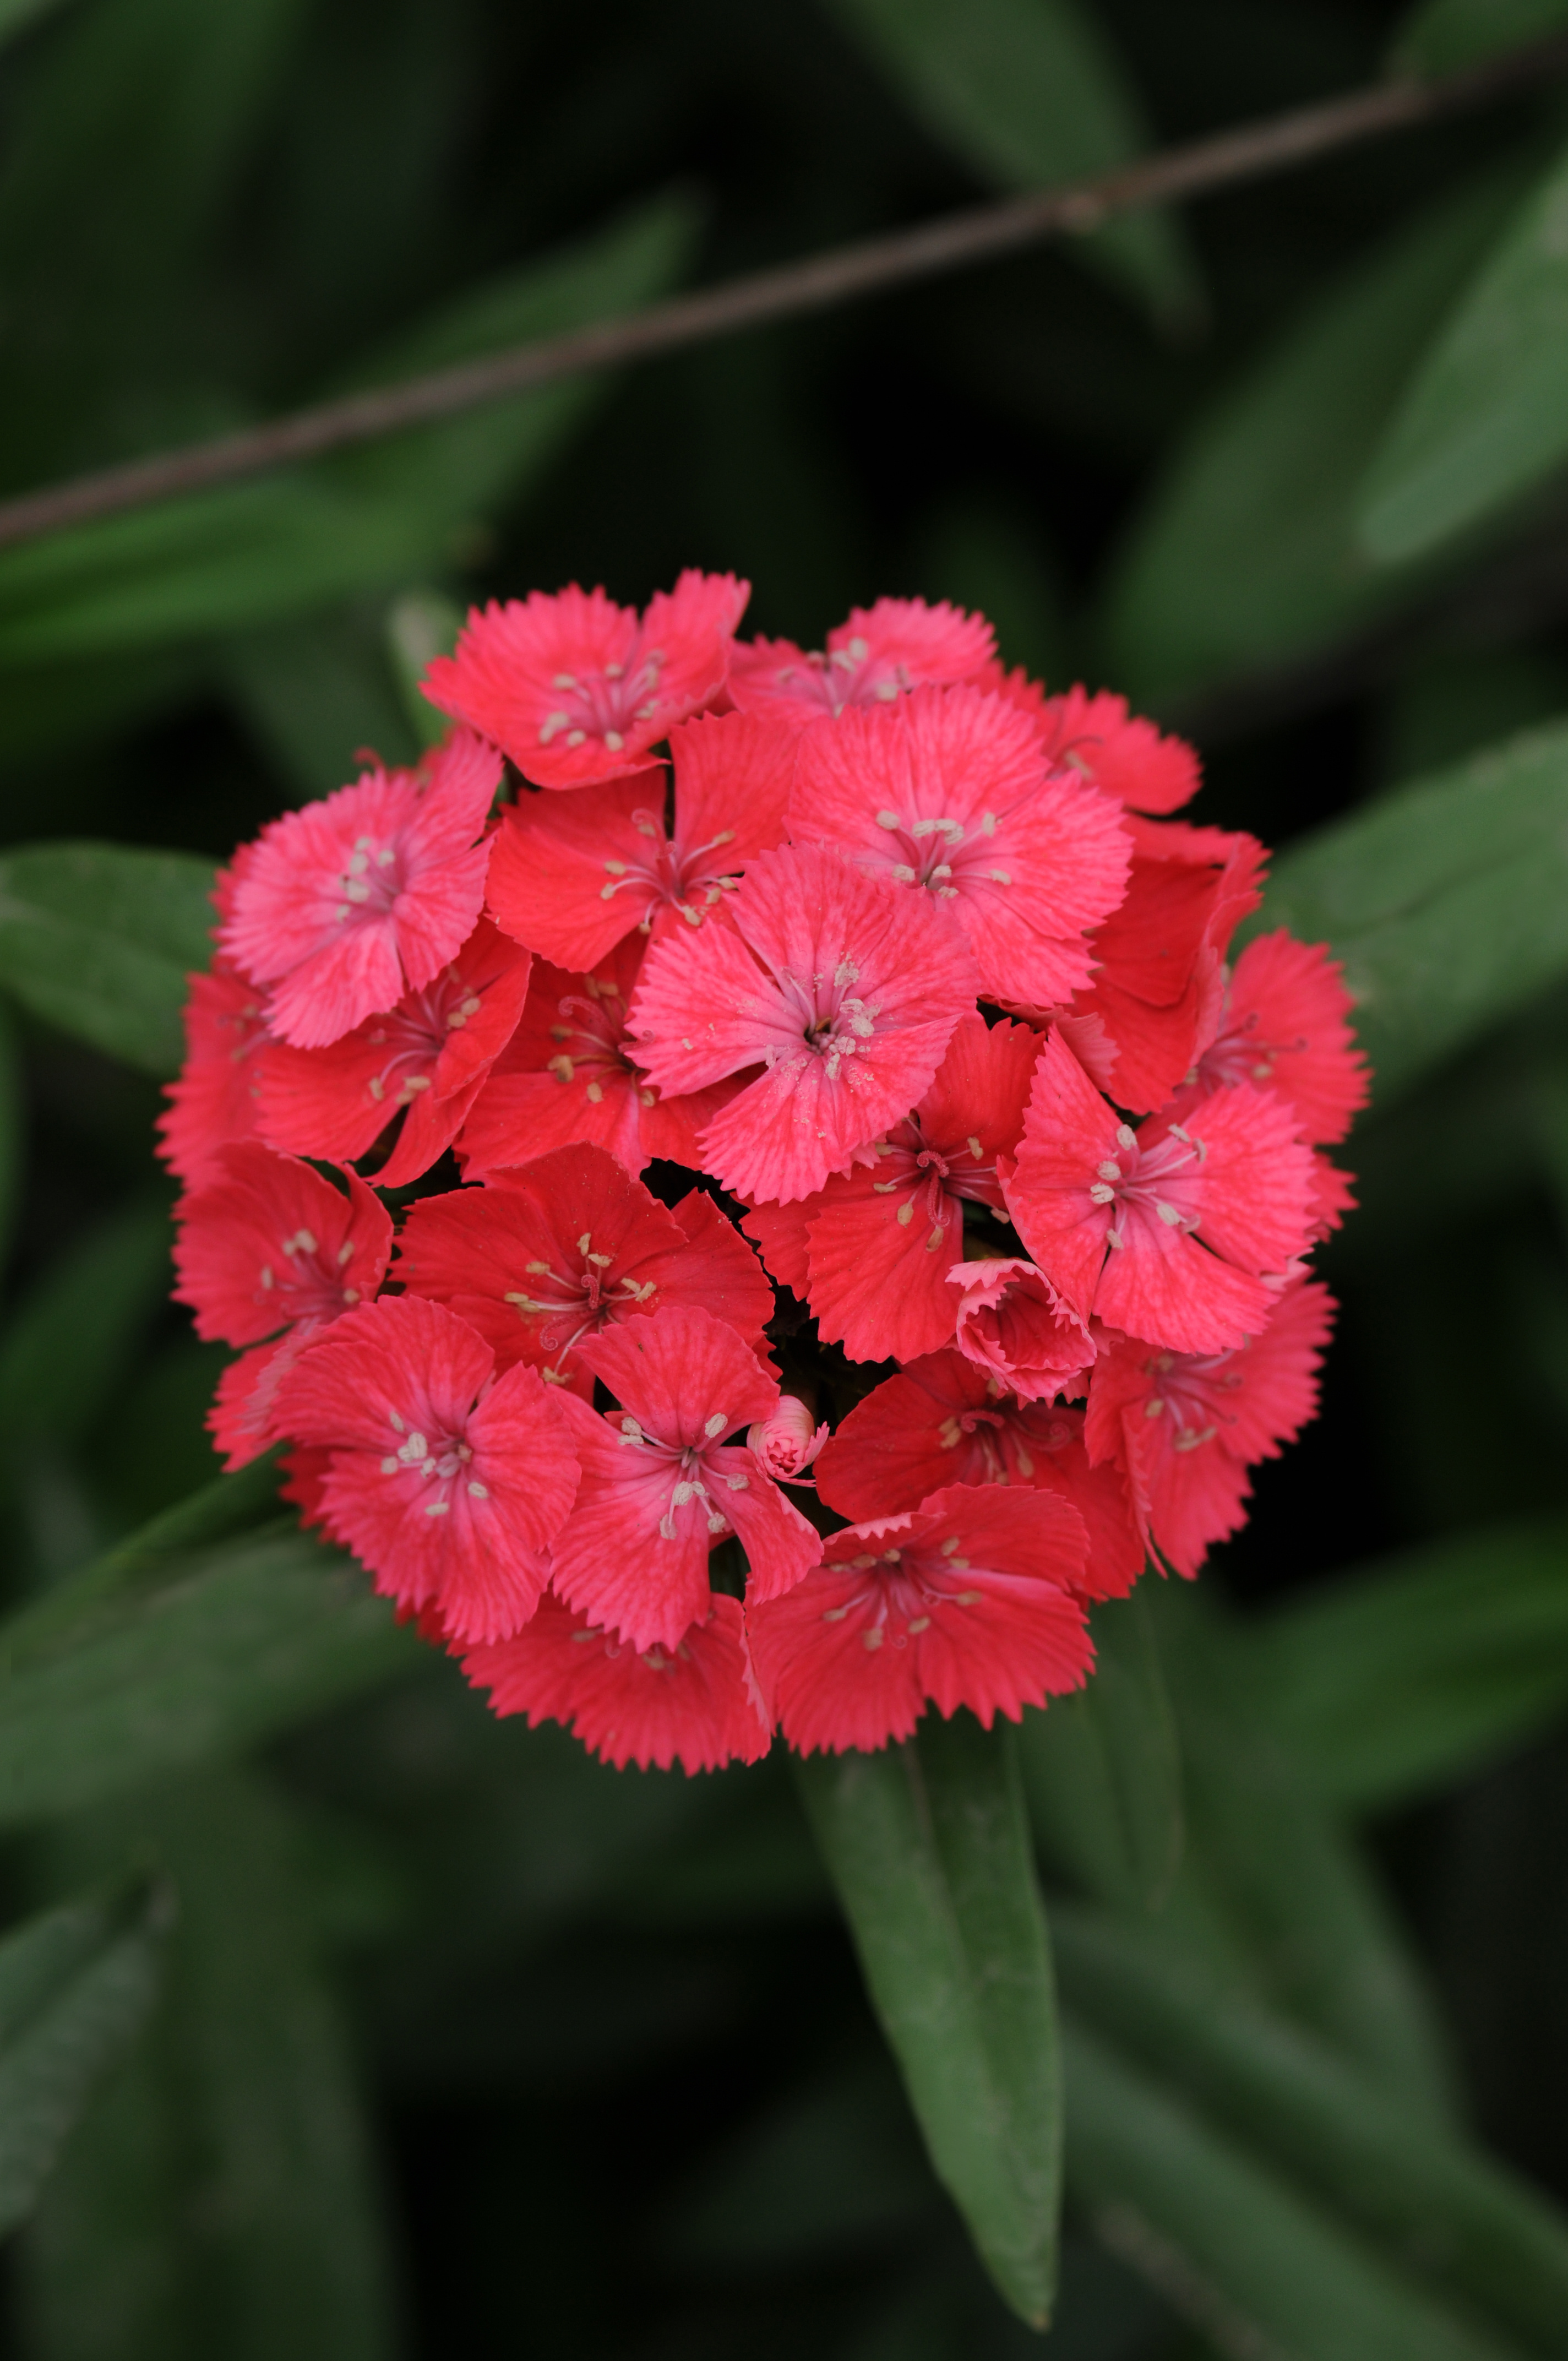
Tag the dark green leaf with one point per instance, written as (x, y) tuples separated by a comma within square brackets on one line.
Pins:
[(1403, 1676), (1443, 36), (1030, 92), (75, 1984), (1486, 415), (420, 626), (1237, 2248), (98, 939), (1102, 1769), (928, 1846), (66, 1346), (13, 1134), (318, 694), (16, 15), (1440, 2207), (1447, 902)]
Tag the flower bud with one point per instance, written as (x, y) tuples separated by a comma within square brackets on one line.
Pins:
[(785, 1441)]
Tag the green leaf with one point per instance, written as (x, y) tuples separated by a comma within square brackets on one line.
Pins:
[(420, 626), (1486, 414), (1236, 2246), (105, 1683), (1444, 36), (16, 15), (220, 2199), (1447, 901), (75, 1986), (1102, 1771), (1244, 560), (1030, 92), (66, 1346), (1442, 2210), (316, 694), (1404, 1676), (12, 1133), (927, 1844), (100, 939)]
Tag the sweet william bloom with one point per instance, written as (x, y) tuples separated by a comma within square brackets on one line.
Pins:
[(1185, 1427), (446, 1481), (345, 907), (1285, 1027), (1014, 1325), (565, 1075), (425, 1060), (662, 1487), (571, 874), (214, 1101), (1109, 1212), (787, 1441), (872, 1250), (969, 1600), (946, 790), (566, 1246), (844, 989), (265, 1244), (576, 689), (1097, 737), (873, 656), (945, 1421), (688, 1704)]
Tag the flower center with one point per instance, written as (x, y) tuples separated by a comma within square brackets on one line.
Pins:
[(689, 878), (416, 1032), (594, 1024), (1162, 1183), (305, 1283), (901, 1588), (682, 1477), (574, 1301), (442, 1462), (371, 882), (942, 854), (1185, 1390), (607, 705)]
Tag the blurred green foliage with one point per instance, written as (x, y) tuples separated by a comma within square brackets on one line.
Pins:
[(336, 2016)]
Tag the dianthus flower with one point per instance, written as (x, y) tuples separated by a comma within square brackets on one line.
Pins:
[(871, 1250), (1012, 1323), (873, 656), (266, 1247), (787, 1441), (425, 1060), (576, 689), (446, 1481), (1184, 1427), (565, 1075), (843, 988), (1109, 1212), (970, 1599), (571, 874), (947, 790), (688, 1704), (1285, 1027), (1097, 737), (661, 1485), (563, 1246), (944, 1421), (214, 1101), (345, 906)]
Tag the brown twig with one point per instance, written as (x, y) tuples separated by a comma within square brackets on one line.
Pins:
[(974, 235)]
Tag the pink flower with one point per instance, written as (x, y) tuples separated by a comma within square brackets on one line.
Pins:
[(688, 1704), (787, 1441), (944, 1421), (559, 1249), (565, 1075), (660, 1487), (969, 1600), (843, 988), (947, 790), (1011, 1322), (1184, 1427), (345, 906), (572, 874), (1096, 736), (576, 689), (426, 1059), (447, 1482), (1285, 1027), (871, 1250), (214, 1101), (876, 655), (1109, 1212), (265, 1244)]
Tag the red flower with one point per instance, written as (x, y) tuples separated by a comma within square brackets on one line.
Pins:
[(943, 1420), (687, 1704), (430, 1055), (660, 1487), (214, 1101), (1012, 1323), (446, 1481), (576, 689), (948, 789), (572, 874), (1184, 1427), (872, 1250), (1285, 1027), (845, 990), (1097, 738), (970, 1599), (265, 1244), (560, 1247), (1108, 1213), (345, 906), (786, 1441), (879, 652)]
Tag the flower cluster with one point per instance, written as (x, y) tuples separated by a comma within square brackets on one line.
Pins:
[(884, 1205)]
